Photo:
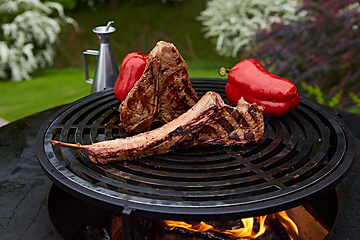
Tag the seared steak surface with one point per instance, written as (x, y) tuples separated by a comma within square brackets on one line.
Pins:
[(163, 92), (209, 122)]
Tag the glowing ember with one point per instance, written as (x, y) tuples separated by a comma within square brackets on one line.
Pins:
[(246, 231)]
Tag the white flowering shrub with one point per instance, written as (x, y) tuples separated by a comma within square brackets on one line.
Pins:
[(29, 30), (233, 23)]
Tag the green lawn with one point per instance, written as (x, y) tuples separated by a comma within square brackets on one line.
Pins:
[(139, 27), (47, 89), (54, 87)]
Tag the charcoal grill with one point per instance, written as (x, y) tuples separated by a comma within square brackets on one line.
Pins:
[(301, 156)]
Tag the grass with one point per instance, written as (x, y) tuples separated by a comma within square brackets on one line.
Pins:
[(139, 27), (54, 87), (48, 88)]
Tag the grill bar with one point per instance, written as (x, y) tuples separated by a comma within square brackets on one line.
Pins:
[(301, 156)]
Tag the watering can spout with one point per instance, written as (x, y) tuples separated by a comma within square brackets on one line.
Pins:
[(108, 25)]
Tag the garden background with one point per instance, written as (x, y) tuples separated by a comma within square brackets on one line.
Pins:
[(312, 43)]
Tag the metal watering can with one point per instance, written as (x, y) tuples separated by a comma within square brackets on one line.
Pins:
[(106, 71)]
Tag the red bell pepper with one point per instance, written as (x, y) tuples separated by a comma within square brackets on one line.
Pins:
[(249, 79), (131, 69)]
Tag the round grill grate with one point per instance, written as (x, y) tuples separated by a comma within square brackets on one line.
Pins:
[(301, 155)]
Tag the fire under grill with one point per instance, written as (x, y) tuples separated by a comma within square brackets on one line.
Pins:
[(301, 156)]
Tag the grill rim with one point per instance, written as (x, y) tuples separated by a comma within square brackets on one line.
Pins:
[(182, 213)]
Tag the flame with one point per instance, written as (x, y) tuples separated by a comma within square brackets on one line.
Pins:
[(246, 231), (288, 223)]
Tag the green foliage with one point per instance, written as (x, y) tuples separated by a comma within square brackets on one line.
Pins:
[(29, 30), (67, 4), (321, 49), (171, 1), (138, 28), (356, 101), (74, 5), (232, 24), (314, 92)]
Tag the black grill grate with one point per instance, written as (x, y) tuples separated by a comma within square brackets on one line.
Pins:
[(302, 155)]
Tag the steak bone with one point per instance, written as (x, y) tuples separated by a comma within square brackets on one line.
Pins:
[(209, 122)]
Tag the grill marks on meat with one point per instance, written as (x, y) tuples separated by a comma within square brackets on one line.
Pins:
[(163, 92), (209, 122)]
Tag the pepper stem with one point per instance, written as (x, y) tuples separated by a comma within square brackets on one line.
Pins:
[(223, 71)]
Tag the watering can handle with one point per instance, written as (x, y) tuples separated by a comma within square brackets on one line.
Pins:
[(86, 68)]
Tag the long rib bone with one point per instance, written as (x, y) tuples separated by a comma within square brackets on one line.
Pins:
[(209, 122)]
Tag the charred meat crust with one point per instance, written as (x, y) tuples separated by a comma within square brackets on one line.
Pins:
[(209, 122), (163, 92)]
